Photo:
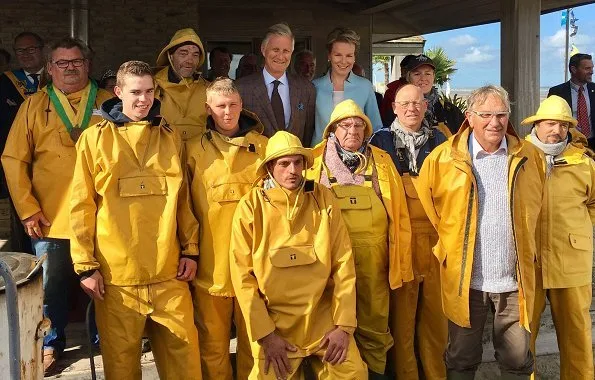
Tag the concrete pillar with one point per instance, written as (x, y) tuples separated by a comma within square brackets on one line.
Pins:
[(519, 61), (79, 20)]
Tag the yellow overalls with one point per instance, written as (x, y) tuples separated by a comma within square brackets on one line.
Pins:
[(367, 224), (418, 323)]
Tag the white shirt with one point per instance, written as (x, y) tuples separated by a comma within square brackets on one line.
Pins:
[(476, 150), (283, 92), (30, 78)]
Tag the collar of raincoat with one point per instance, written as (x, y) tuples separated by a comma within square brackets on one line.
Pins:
[(111, 110), (460, 148), (347, 108), (182, 36)]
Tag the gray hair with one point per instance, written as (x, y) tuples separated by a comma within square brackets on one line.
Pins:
[(69, 43), (480, 95), (299, 55), (281, 29)]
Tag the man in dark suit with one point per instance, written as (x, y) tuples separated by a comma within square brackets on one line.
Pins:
[(282, 101), (579, 93), (15, 87)]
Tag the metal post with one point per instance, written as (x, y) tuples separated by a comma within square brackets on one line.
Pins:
[(567, 44), (12, 308)]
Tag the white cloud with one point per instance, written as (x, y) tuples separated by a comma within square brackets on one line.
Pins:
[(462, 40), (477, 54), (558, 40)]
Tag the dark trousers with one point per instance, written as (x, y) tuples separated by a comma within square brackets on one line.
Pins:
[(511, 341)]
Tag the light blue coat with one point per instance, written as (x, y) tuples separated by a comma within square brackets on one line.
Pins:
[(359, 89)]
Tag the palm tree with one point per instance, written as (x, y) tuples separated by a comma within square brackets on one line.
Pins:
[(445, 66)]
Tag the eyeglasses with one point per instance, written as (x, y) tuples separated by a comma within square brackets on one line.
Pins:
[(346, 125), (64, 63), (406, 103), (490, 115), (27, 50)]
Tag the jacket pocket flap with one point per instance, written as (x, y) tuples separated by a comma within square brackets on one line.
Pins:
[(410, 189), (293, 256), (580, 242), (229, 192), (355, 202), (139, 186)]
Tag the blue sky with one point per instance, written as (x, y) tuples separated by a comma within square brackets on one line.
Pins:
[(477, 49)]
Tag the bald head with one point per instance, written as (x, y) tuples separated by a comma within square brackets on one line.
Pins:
[(410, 107)]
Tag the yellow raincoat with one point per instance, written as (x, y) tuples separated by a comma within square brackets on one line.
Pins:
[(565, 259), (448, 192), (183, 101), (380, 234), (222, 170), (292, 269), (131, 220), (39, 160)]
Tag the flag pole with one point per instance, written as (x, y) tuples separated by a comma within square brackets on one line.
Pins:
[(567, 44)]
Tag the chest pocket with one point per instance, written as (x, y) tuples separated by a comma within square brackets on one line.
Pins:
[(140, 186), (356, 210), (287, 257), (229, 192)]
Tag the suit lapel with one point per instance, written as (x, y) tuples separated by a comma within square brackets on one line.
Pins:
[(567, 95), (261, 93)]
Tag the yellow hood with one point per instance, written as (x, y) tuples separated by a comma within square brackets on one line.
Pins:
[(347, 108), (181, 36), (283, 144)]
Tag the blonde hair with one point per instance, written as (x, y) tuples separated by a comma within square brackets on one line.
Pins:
[(341, 34), (135, 68), (280, 29), (221, 86)]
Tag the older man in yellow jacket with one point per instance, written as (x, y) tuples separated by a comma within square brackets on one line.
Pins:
[(135, 236), (180, 88), (565, 237), (370, 193), (482, 190), (39, 160), (293, 272), (222, 164)]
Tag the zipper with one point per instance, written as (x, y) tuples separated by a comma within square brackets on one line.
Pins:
[(516, 250), (466, 235)]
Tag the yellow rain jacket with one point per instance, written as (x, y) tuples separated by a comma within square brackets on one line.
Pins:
[(222, 171), (291, 261), (118, 192), (182, 101), (565, 231), (448, 192), (39, 160)]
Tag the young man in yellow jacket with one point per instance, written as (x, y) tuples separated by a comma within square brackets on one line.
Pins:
[(222, 165), (481, 190), (293, 273), (565, 237), (179, 86), (39, 160), (135, 238)]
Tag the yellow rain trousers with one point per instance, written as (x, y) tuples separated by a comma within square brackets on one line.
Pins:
[(367, 224), (418, 324), (183, 103), (164, 311), (222, 170)]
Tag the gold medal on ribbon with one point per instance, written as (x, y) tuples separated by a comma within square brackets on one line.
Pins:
[(75, 133)]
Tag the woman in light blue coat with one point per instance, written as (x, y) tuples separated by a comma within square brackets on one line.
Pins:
[(340, 83)]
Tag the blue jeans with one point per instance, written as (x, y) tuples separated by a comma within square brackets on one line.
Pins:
[(57, 278)]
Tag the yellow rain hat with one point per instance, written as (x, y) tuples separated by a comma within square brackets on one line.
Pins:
[(345, 109), (180, 37), (283, 144), (552, 108)]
